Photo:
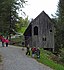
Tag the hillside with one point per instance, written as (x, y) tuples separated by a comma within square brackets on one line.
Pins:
[(50, 60)]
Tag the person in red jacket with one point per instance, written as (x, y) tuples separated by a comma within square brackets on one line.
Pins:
[(1, 37), (33, 51), (2, 40), (6, 41)]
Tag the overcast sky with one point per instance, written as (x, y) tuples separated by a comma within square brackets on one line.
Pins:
[(35, 7)]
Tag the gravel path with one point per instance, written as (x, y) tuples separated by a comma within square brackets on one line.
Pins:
[(15, 59)]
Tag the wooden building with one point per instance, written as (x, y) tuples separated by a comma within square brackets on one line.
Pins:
[(40, 32)]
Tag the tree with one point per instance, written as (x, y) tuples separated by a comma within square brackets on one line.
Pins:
[(59, 35), (8, 14), (22, 24)]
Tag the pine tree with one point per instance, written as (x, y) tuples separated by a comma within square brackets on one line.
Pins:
[(8, 14), (59, 36)]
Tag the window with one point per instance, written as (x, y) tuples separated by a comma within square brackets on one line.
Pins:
[(44, 38), (35, 30), (50, 30)]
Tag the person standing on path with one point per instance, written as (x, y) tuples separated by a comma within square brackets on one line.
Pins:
[(28, 50), (6, 41), (0, 37), (3, 40)]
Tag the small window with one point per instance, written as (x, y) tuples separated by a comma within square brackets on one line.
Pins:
[(35, 30), (50, 30), (44, 39)]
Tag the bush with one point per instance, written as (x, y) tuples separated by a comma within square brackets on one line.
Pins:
[(62, 55)]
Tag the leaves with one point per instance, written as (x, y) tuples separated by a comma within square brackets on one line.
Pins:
[(8, 14), (22, 24), (59, 25)]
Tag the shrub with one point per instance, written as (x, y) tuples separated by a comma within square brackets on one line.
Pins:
[(62, 55)]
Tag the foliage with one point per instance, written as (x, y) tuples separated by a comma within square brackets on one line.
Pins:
[(22, 30), (61, 22), (22, 24), (8, 14), (62, 55), (59, 26), (45, 58), (17, 40)]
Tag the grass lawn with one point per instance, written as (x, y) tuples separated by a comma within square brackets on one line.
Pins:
[(45, 59)]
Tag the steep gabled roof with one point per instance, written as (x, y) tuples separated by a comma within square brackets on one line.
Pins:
[(41, 14), (29, 28)]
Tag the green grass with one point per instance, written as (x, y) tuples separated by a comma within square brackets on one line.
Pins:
[(45, 59)]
